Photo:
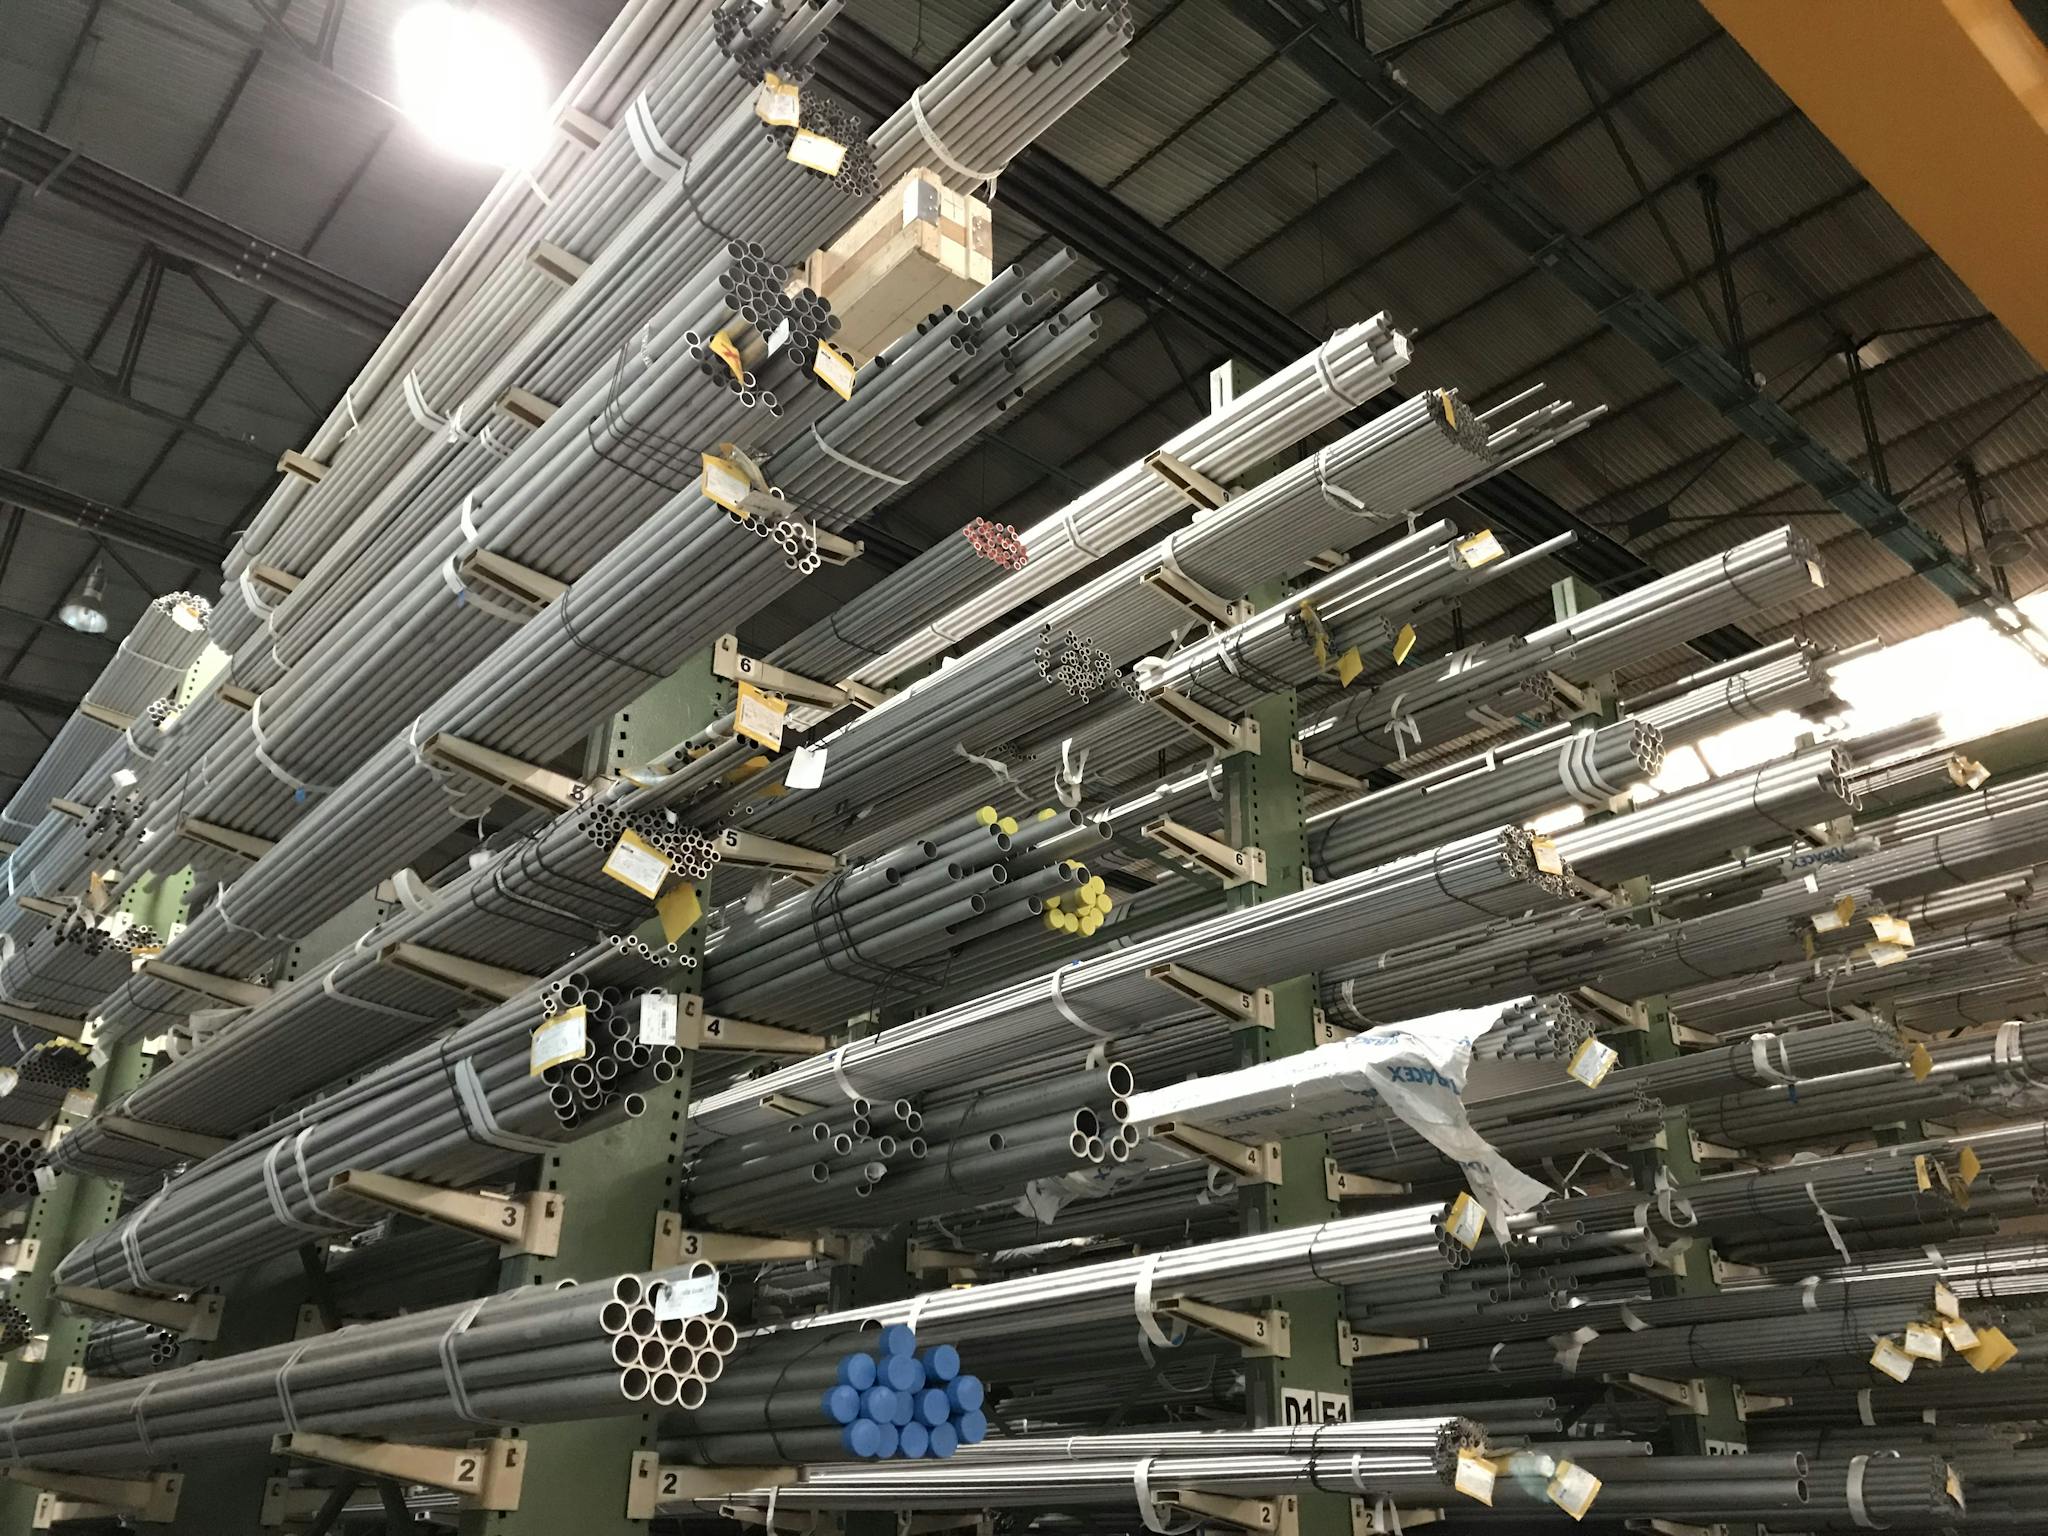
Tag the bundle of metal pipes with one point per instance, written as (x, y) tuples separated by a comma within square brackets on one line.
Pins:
[(1542, 1028), (1393, 1459), (400, 1267), (1437, 701), (121, 1348), (150, 663), (1517, 782), (532, 1356), (827, 1399), (452, 1112), (16, 1328), (635, 615), (905, 1159), (20, 1157), (890, 927), (39, 1083), (1113, 997), (948, 593), (1789, 676)]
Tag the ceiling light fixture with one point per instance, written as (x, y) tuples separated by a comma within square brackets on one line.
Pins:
[(471, 84), (86, 609)]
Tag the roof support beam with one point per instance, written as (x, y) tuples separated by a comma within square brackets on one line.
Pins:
[(91, 381), (1322, 45), (1154, 267), (103, 520), (52, 169)]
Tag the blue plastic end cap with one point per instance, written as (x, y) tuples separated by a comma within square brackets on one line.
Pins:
[(897, 1339), (857, 1371), (906, 1409), (941, 1363), (913, 1442), (862, 1438), (966, 1392), (945, 1440), (900, 1372), (972, 1428), (886, 1446), (933, 1407), (840, 1405), (879, 1404)]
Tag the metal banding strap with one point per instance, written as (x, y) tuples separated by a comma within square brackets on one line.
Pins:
[(273, 1189), (1059, 1001), (451, 1370), (1569, 1345), (1834, 1232), (1853, 1491), (924, 128), (837, 1062), (649, 147), (284, 1391), (131, 1243), (478, 1119), (1759, 1059), (1147, 1315), (142, 1419), (852, 463)]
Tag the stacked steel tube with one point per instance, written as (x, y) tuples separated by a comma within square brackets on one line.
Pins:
[(1113, 998), (1514, 783), (125, 1349), (43, 1077), (1791, 675), (890, 928), (531, 1356), (835, 1398), (19, 1160), (902, 1159), (399, 1267), (16, 1328), (452, 1112), (1543, 1028)]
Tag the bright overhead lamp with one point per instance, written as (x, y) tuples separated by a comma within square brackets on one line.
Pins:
[(471, 84), (86, 609)]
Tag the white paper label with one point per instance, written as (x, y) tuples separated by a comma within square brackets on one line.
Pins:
[(779, 103), (1475, 1477), (637, 863), (1592, 1061), (1892, 1360), (759, 718), (658, 1018), (686, 1298), (1480, 548), (1572, 1489), (807, 768), (565, 1037), (46, 1177), (817, 152), (724, 482), (836, 369), (1960, 1335), (778, 338), (1923, 1341), (124, 778), (1945, 1301), (78, 1102)]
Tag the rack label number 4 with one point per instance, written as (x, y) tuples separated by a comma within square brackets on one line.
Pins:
[(1299, 1405)]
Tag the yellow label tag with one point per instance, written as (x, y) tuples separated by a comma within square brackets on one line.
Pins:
[(1480, 548), (1845, 909), (1953, 1485), (779, 102), (1886, 954), (1892, 1360), (1892, 930), (725, 483), (1475, 1477), (565, 1037), (1349, 665), (836, 369), (1921, 1063), (1466, 1220), (722, 347), (96, 891), (1591, 1062), (759, 716), (637, 863), (1991, 1350), (1969, 1165), (1572, 1489), (1923, 1341), (1945, 1301), (1404, 642), (678, 907), (1546, 855), (1920, 1173), (1960, 1335), (817, 152)]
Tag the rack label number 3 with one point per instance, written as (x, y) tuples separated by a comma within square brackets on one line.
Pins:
[(1298, 1405)]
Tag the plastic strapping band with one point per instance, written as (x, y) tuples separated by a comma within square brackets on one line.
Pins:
[(1059, 1001), (273, 1189), (924, 128), (1337, 493), (220, 905), (917, 1306), (1066, 784), (1863, 1413), (1809, 1294), (131, 1243), (387, 1009), (142, 1419), (1853, 1490), (451, 1372), (263, 756), (1569, 1345), (1074, 536), (1329, 380), (481, 1123), (1141, 1306), (284, 1391), (994, 765), (649, 147), (836, 1060), (12, 1424), (1759, 1058), (1827, 1221), (852, 463), (451, 578)]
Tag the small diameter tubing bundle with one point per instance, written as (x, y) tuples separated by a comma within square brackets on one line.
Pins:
[(1681, 831), (40, 1081), (19, 1159), (825, 1399), (150, 663), (1434, 701), (531, 1356), (545, 895), (1635, 1486), (74, 959), (16, 1328), (1903, 1490), (1538, 1029), (1392, 1244), (650, 602), (1512, 783), (1790, 675), (126, 1349), (453, 1112), (1114, 1471), (892, 925), (872, 1165), (949, 593), (1112, 997)]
